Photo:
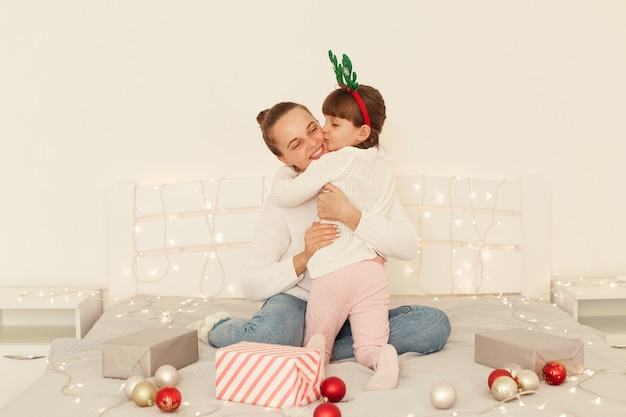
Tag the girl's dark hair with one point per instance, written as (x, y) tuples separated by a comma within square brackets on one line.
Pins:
[(341, 103), (268, 118)]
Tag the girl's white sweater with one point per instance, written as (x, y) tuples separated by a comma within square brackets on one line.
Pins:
[(364, 175)]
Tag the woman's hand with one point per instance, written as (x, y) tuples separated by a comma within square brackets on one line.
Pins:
[(315, 237), (319, 235), (333, 205)]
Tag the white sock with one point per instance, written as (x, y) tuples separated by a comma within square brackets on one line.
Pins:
[(387, 370), (207, 324), (318, 341)]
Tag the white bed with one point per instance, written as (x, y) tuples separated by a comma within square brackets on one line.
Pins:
[(175, 254)]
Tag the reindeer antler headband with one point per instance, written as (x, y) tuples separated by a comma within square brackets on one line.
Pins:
[(346, 79)]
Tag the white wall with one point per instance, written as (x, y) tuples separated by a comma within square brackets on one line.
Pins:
[(92, 92)]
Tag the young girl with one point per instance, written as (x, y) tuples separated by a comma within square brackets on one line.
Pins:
[(275, 270), (348, 277)]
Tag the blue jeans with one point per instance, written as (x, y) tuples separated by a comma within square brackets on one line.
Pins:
[(281, 321)]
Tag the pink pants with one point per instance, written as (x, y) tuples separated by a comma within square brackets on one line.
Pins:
[(358, 292)]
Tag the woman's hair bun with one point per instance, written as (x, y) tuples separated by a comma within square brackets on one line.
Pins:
[(261, 116)]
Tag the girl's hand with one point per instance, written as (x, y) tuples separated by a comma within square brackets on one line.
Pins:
[(333, 205)]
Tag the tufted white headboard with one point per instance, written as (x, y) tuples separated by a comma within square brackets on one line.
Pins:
[(478, 236)]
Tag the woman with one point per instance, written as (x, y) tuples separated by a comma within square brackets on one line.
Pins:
[(286, 238)]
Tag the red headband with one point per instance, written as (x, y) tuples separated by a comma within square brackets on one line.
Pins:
[(359, 101)]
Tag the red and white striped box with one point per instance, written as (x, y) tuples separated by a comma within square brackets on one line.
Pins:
[(269, 375)]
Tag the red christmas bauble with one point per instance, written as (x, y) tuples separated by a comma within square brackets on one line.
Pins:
[(333, 388), (168, 399), (327, 410), (497, 373), (554, 372)]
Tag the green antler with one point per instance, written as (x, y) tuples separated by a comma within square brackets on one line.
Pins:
[(336, 67), (345, 76), (348, 74)]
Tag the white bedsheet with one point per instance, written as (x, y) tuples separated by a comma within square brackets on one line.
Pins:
[(73, 385)]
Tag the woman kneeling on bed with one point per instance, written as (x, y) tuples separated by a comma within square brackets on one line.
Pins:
[(287, 238)]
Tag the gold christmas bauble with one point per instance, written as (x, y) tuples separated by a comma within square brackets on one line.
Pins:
[(144, 394)]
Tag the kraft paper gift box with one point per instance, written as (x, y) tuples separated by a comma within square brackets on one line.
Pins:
[(269, 375), (528, 349), (143, 352)]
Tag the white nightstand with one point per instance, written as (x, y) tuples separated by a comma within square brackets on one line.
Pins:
[(29, 320), (597, 303)]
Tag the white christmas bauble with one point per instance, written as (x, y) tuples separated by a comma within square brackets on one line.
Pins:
[(503, 388), (166, 376), (130, 383), (443, 395), (527, 380)]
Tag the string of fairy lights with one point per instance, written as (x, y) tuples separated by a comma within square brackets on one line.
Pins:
[(470, 278), (209, 248), (467, 278), (80, 391), (483, 237), (52, 295), (608, 283)]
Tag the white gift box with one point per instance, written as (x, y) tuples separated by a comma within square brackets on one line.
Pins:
[(143, 352), (528, 349)]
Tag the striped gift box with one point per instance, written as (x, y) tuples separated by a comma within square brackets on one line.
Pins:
[(269, 375)]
